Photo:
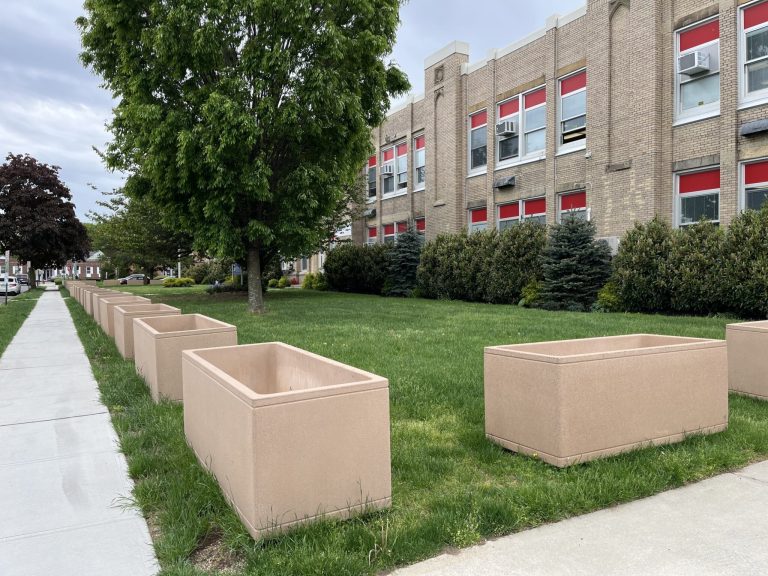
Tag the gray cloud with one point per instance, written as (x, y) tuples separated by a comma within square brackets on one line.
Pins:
[(55, 110)]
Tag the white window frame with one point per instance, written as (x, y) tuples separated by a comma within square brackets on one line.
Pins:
[(678, 208), (512, 160), (701, 112), (417, 186), (480, 226), (743, 181), (745, 98), (513, 221), (401, 176), (371, 198), (304, 263), (384, 177), (578, 144), (560, 212), (89, 271), (538, 215), (537, 154), (484, 127)]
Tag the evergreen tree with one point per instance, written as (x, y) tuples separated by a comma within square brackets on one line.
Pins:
[(404, 263), (575, 266)]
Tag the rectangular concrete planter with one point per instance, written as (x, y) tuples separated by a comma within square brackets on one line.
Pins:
[(748, 358), (110, 283), (107, 306), (124, 316), (88, 295), (291, 436), (96, 298), (158, 343), (577, 400)]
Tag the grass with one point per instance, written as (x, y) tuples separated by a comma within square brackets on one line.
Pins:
[(13, 315), (451, 487)]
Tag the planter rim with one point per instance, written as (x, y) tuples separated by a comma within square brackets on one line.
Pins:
[(129, 308), (222, 327), (676, 344), (368, 380), (118, 299), (758, 326)]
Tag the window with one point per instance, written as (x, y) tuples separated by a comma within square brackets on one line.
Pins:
[(535, 209), (389, 234), (573, 111), (478, 141), (509, 215), (699, 196), (402, 166), (508, 145), (388, 171), (304, 263), (754, 52), (698, 52), (402, 228), (372, 177), (574, 203), (88, 271), (419, 162), (535, 120), (478, 220), (755, 178), (421, 225), (372, 235)]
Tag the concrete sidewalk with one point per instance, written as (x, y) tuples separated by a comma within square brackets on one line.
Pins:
[(715, 527), (62, 479)]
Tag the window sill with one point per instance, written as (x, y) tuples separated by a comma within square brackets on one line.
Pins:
[(746, 104), (525, 160), (482, 172), (370, 200), (697, 118), (394, 194), (566, 151), (420, 189)]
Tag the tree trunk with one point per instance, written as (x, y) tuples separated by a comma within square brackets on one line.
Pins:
[(255, 293), (32, 277)]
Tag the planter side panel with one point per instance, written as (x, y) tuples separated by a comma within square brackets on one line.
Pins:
[(124, 328), (748, 362), (325, 456), (219, 428)]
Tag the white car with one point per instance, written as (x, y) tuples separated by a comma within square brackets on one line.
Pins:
[(13, 287)]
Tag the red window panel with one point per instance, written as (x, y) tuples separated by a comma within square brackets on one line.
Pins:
[(509, 108), (699, 35), (402, 227), (479, 119), (509, 211), (755, 15), (420, 141), (756, 173), (402, 149), (699, 181), (371, 232), (421, 224), (479, 215), (389, 230), (389, 154), (372, 161), (535, 98), (573, 83), (538, 206), (574, 201)]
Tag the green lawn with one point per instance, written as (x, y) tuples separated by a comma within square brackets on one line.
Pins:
[(451, 487), (13, 315)]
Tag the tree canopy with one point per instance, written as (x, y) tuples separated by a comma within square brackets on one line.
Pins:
[(248, 119), (37, 218)]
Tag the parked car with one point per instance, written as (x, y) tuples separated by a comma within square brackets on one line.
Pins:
[(13, 286), (23, 279), (131, 277)]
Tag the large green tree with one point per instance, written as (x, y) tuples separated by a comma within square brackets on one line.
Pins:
[(37, 218), (250, 119), (134, 233)]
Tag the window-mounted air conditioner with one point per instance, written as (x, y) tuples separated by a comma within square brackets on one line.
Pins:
[(693, 63), (388, 169), (506, 128)]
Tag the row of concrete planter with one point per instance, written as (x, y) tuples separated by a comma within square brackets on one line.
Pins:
[(247, 407), (289, 435)]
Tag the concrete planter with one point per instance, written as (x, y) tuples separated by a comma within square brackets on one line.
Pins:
[(134, 282), (158, 343), (577, 400), (107, 306), (96, 299), (748, 358), (290, 436), (88, 295), (110, 283), (123, 317)]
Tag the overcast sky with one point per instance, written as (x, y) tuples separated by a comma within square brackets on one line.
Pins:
[(53, 109)]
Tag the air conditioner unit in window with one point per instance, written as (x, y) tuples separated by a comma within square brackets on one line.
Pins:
[(693, 63), (388, 169), (506, 128)]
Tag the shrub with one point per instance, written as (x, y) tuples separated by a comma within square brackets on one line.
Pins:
[(746, 264), (439, 274), (309, 281), (608, 299), (640, 267), (530, 294), (57, 281), (403, 264), (283, 282), (695, 269), (360, 269), (226, 287), (198, 272), (321, 283), (575, 266), (272, 283), (517, 261), (178, 282)]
